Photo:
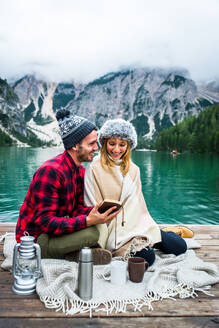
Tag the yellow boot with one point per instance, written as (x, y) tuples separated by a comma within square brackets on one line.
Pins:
[(182, 231)]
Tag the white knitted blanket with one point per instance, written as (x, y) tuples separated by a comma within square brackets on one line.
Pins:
[(169, 277)]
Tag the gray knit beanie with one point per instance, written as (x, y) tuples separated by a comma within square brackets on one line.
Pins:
[(73, 128), (118, 128)]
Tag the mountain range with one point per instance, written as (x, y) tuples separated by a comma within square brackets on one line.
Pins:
[(152, 99)]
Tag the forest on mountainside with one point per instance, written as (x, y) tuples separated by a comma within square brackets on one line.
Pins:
[(198, 134)]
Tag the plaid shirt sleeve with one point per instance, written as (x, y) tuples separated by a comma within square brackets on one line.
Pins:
[(53, 205)]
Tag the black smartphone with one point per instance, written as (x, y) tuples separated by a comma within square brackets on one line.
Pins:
[(108, 204)]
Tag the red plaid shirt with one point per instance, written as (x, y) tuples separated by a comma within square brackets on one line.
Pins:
[(54, 203)]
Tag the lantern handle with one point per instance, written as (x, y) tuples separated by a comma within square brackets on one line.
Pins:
[(38, 253), (15, 260)]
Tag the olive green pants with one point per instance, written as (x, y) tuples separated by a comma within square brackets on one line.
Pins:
[(58, 247)]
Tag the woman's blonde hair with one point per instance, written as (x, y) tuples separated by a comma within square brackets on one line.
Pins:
[(107, 162)]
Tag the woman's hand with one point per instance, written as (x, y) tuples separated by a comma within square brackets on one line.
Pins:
[(97, 218)]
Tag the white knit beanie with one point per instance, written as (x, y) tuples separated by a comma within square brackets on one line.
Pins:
[(118, 128)]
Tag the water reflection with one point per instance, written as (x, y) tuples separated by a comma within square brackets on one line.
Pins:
[(184, 189), (17, 166)]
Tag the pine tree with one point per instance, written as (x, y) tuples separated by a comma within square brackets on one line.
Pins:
[(195, 134)]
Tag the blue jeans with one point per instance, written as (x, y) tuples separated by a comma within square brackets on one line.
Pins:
[(171, 243)]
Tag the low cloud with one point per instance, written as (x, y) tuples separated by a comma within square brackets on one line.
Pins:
[(81, 40)]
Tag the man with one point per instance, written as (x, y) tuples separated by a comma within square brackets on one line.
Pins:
[(53, 210)]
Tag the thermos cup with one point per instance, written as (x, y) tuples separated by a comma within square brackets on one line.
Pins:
[(85, 274)]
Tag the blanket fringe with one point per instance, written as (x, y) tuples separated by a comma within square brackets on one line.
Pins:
[(71, 307)]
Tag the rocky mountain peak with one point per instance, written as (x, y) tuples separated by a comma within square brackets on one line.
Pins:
[(151, 98)]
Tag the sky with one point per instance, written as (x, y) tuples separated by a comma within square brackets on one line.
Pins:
[(80, 40)]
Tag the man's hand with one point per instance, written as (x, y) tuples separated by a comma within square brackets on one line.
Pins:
[(97, 218)]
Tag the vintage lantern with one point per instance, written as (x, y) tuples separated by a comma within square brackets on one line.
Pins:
[(26, 267)]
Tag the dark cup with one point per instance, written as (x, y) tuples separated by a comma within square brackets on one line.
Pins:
[(136, 268)]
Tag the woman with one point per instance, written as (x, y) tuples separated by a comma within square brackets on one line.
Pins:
[(113, 175)]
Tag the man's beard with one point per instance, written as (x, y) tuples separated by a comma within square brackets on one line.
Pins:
[(83, 157)]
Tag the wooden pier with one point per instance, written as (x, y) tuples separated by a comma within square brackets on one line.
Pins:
[(28, 311)]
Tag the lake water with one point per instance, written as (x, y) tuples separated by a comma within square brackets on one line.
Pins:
[(184, 189)]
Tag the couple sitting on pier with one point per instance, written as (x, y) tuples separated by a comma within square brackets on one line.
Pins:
[(61, 206)]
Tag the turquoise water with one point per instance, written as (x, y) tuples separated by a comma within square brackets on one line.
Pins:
[(184, 189)]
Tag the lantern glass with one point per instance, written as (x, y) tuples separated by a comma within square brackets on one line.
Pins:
[(26, 266)]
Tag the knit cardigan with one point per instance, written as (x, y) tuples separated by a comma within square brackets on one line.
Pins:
[(139, 229)]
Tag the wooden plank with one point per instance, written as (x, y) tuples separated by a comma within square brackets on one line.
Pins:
[(7, 227), (200, 231), (209, 242), (29, 308), (191, 322), (204, 230), (202, 237)]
